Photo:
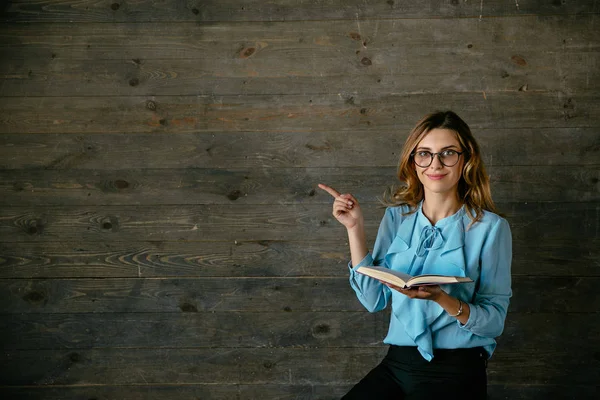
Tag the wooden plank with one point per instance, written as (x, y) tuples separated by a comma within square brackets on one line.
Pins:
[(327, 57), (570, 256), (530, 222), (176, 295), (303, 391), (162, 259), (273, 76), (194, 329), (187, 366), (270, 391), (291, 113), (281, 10), (483, 73), (271, 151), (260, 366), (264, 186), (269, 329), (137, 43)]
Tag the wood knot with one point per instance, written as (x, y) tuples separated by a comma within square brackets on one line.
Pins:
[(35, 227), (363, 111), (268, 365), (287, 309), (312, 193), (321, 329), (195, 11), (121, 184), (134, 82), (151, 105), (109, 223), (115, 6), (520, 61), (366, 61), (35, 297), (569, 104), (75, 357), (187, 307), (470, 46), (355, 36), (234, 195), (247, 52)]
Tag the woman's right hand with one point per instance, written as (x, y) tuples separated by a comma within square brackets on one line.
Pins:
[(345, 208)]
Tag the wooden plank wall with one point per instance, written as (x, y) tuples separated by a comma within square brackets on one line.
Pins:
[(160, 232)]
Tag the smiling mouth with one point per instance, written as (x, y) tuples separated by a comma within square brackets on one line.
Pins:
[(435, 177)]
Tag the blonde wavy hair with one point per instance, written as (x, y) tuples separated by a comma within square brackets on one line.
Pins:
[(473, 185)]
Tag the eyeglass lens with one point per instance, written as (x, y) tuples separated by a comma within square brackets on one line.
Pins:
[(447, 158)]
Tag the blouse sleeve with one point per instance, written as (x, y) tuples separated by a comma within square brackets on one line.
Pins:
[(488, 311), (370, 292)]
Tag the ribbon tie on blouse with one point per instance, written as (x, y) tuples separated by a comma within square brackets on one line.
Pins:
[(430, 239)]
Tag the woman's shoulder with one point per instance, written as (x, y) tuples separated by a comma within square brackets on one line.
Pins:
[(490, 221)]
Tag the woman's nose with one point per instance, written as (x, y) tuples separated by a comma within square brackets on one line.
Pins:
[(436, 163)]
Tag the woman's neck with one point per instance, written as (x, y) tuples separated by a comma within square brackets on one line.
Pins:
[(437, 206)]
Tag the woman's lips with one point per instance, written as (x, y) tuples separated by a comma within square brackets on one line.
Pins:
[(435, 177)]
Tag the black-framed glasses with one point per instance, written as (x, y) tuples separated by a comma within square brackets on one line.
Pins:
[(448, 158)]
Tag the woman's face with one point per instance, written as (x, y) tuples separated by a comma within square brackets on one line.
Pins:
[(438, 178)]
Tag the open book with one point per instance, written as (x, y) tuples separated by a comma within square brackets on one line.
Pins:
[(406, 281)]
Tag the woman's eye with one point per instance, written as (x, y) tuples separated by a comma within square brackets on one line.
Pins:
[(447, 153), (423, 153)]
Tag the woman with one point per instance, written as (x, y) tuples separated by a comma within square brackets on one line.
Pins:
[(442, 221)]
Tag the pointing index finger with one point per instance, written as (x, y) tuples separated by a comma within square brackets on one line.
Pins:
[(329, 190)]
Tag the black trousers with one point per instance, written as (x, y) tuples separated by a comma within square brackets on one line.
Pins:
[(405, 374)]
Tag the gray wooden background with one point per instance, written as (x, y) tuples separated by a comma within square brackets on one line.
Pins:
[(161, 234)]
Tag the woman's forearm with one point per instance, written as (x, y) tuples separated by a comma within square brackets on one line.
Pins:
[(358, 243)]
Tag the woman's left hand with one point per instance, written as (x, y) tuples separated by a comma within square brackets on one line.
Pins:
[(429, 292)]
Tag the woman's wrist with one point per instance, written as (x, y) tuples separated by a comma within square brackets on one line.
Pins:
[(453, 306)]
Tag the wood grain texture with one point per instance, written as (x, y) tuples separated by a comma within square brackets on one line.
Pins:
[(569, 255), (544, 146), (270, 391), (177, 295), (258, 366), (163, 259), (349, 330), (325, 57), (271, 186), (291, 113), (194, 329), (530, 222), (281, 10)]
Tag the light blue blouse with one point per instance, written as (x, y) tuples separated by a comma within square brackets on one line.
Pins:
[(411, 244)]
